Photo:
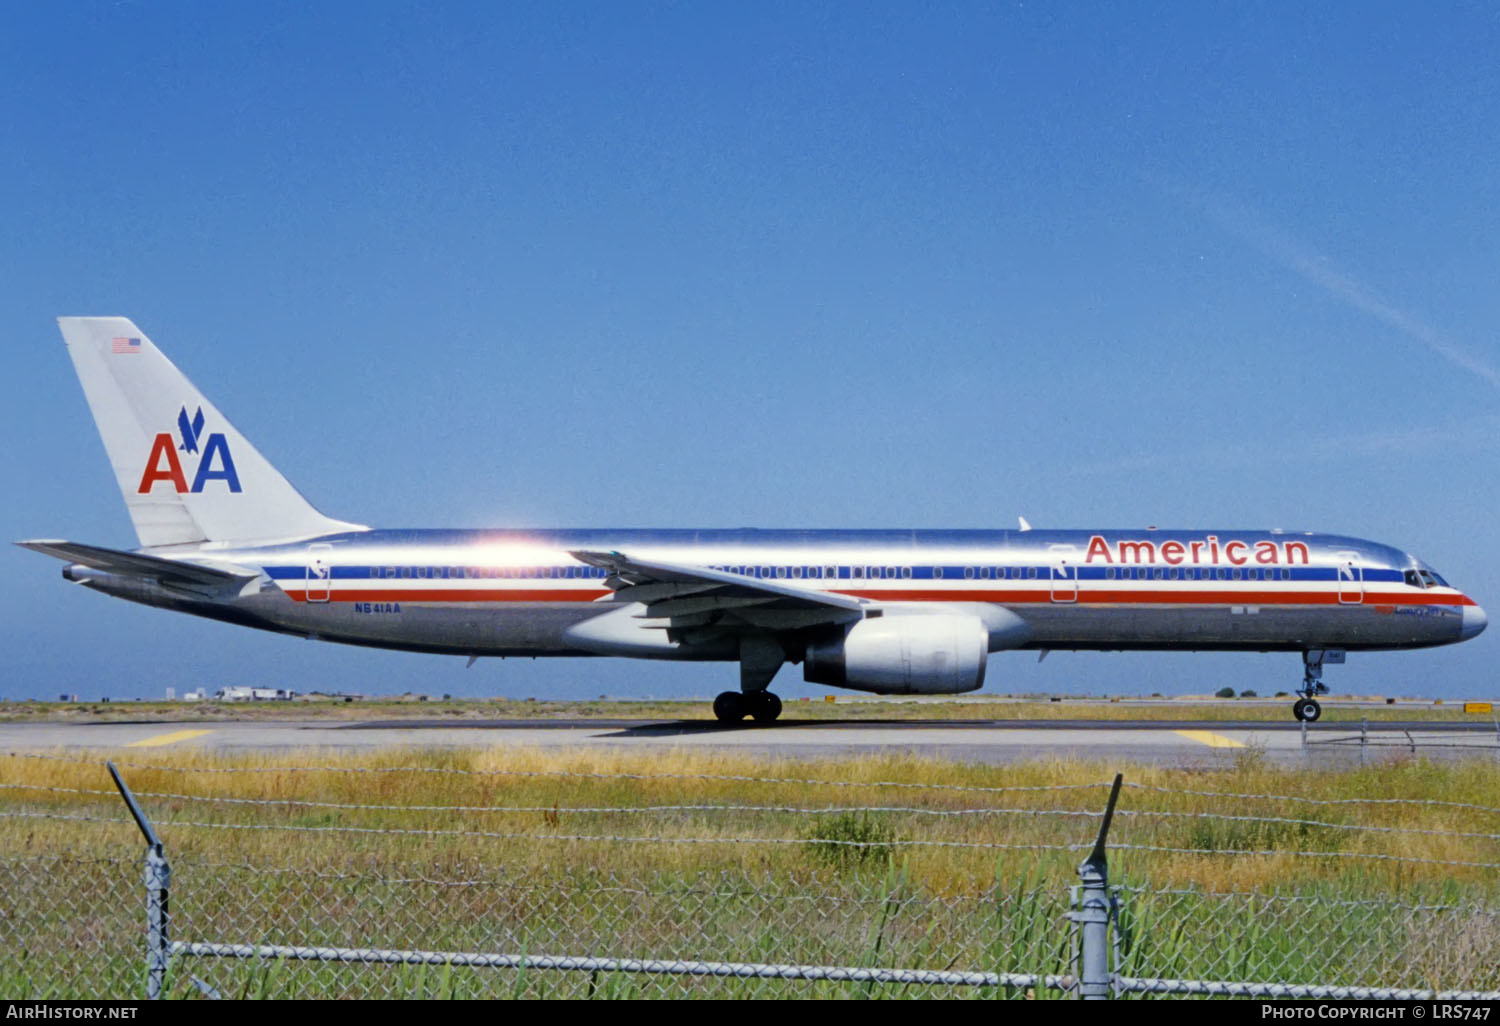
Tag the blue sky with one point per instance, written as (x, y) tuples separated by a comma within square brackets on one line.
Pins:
[(767, 264)]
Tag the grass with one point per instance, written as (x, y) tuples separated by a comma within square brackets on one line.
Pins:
[(501, 866), (845, 707)]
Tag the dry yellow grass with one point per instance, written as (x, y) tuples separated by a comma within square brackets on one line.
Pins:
[(527, 810)]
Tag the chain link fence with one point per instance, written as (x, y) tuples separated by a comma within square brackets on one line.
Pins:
[(300, 916)]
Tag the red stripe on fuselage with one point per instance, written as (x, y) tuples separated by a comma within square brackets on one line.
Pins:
[(458, 595), (1164, 596), (1034, 596)]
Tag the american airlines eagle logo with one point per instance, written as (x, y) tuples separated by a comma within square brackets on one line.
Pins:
[(189, 430), (214, 462)]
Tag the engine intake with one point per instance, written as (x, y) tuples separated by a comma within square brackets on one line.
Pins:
[(903, 655)]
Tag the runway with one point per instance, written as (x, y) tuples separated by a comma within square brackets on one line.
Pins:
[(1180, 743)]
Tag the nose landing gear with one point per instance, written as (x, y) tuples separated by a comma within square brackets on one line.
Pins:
[(1307, 708)]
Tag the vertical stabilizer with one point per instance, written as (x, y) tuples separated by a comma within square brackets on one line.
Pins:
[(187, 475)]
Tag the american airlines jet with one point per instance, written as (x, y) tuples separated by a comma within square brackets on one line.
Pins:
[(224, 535)]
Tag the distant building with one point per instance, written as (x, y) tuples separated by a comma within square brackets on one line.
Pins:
[(239, 693)]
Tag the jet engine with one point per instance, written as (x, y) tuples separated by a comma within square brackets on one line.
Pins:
[(902, 655)]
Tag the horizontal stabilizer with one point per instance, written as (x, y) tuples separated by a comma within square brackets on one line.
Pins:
[(134, 564)]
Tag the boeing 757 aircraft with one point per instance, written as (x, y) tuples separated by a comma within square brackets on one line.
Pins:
[(224, 535)]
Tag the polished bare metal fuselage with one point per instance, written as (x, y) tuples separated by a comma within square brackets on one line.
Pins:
[(515, 593)]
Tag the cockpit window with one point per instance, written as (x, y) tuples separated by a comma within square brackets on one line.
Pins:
[(1424, 579)]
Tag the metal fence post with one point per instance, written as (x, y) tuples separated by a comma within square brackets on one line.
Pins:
[(158, 887), (1094, 908), (158, 890)]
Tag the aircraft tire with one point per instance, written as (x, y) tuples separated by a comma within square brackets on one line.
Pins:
[(1307, 709), (764, 706), (729, 707)]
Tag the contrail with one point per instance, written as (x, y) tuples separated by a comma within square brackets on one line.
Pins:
[(1480, 434), (1312, 267)]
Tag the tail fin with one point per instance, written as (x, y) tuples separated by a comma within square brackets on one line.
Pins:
[(187, 475)]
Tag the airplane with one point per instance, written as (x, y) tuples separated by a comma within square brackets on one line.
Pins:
[(224, 535)]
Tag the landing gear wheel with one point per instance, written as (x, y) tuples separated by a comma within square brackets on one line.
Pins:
[(729, 707), (763, 706), (1307, 710)]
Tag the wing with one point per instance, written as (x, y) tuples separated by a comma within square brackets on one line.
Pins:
[(697, 597), (134, 564)]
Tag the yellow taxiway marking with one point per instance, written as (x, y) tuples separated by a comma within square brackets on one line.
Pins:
[(168, 739), (1209, 738)]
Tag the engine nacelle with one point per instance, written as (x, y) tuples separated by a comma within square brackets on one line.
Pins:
[(903, 655)]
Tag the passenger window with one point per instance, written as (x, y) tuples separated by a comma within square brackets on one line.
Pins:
[(937, 573), (1031, 572), (905, 572), (968, 573)]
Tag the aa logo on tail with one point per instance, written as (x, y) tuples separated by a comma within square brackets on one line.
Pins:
[(214, 464)]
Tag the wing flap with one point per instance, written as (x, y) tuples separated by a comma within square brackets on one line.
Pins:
[(659, 584)]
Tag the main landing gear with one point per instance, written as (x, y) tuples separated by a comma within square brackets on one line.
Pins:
[(1307, 708), (761, 655), (760, 706)]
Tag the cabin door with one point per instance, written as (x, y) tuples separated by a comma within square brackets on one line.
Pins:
[(1351, 579), (1064, 572), (319, 572)]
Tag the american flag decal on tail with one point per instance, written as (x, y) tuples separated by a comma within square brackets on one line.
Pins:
[(124, 345)]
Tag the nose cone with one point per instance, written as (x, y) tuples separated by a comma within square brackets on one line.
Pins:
[(1474, 622)]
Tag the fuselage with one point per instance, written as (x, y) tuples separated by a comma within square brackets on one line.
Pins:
[(520, 592)]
